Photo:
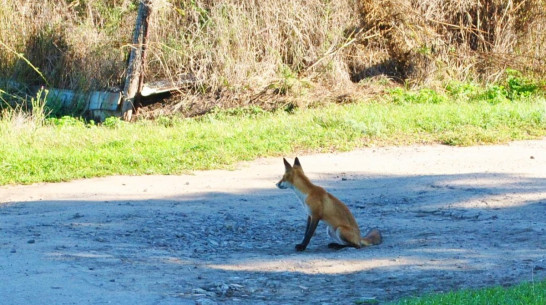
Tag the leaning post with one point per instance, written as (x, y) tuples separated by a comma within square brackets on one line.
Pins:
[(137, 57)]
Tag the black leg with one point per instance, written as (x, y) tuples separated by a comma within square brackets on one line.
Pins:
[(311, 227), (308, 224)]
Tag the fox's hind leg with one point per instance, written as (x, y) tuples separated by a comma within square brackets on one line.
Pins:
[(343, 237), (336, 246)]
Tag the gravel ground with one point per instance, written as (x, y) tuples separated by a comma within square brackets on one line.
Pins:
[(451, 218)]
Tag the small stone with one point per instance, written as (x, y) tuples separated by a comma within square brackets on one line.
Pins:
[(273, 284), (204, 301), (366, 300), (198, 291), (224, 289), (236, 286), (202, 292), (77, 215)]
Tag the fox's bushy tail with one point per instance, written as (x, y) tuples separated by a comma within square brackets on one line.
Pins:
[(372, 238)]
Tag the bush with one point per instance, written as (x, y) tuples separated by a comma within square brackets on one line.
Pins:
[(243, 51)]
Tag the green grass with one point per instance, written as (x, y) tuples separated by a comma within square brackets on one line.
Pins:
[(522, 294), (34, 148), (64, 149)]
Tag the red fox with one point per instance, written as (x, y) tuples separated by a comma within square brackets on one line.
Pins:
[(321, 205)]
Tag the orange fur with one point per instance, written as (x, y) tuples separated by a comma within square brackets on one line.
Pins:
[(321, 205)]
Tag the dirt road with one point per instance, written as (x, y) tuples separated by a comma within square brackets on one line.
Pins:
[(451, 218)]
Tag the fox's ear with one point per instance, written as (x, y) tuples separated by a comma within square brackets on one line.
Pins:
[(297, 162), (287, 165)]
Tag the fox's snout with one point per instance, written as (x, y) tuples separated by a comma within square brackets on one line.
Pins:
[(282, 185)]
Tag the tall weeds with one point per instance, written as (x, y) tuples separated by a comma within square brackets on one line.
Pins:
[(76, 44), (25, 116), (243, 50), (459, 39)]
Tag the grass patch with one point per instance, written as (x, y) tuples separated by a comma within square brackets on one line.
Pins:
[(35, 149), (526, 293)]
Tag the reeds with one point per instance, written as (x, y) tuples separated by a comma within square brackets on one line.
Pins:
[(245, 50)]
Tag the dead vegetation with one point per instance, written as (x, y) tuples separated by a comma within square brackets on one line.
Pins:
[(275, 52)]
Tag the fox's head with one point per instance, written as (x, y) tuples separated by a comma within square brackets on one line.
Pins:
[(290, 172)]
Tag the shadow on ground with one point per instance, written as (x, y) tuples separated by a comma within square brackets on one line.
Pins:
[(441, 232)]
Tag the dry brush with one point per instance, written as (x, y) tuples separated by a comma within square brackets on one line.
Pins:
[(246, 51)]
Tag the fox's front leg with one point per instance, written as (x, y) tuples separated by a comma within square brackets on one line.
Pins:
[(309, 231)]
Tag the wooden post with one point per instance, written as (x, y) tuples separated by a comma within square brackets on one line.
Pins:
[(135, 73)]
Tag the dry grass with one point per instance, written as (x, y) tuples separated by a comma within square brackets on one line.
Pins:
[(435, 40), (275, 51), (75, 44)]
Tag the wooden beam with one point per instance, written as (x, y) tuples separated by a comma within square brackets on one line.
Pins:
[(168, 85), (137, 57)]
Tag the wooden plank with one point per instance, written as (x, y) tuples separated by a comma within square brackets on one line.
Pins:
[(135, 74), (167, 85)]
